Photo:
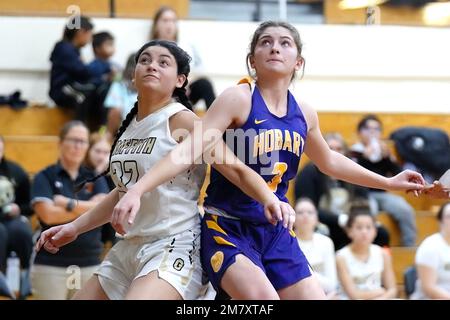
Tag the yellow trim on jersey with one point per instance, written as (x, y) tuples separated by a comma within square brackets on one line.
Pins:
[(214, 217), (217, 261), (213, 225), (292, 233), (246, 79), (221, 240)]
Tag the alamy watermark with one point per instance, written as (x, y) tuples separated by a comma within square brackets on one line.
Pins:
[(250, 146), (74, 21), (73, 281)]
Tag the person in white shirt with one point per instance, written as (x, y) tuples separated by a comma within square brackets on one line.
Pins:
[(159, 255), (433, 261), (121, 97), (364, 269), (165, 27), (318, 249)]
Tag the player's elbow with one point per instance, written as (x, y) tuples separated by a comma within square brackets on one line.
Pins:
[(328, 167)]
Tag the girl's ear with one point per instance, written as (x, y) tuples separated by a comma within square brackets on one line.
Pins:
[(299, 64), (252, 62), (181, 78)]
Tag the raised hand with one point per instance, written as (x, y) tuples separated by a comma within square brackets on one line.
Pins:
[(56, 237), (125, 211), (437, 191), (407, 180)]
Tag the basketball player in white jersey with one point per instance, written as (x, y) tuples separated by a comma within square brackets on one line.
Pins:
[(159, 257)]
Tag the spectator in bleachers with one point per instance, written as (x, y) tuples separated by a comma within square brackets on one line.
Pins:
[(374, 154), (365, 269), (165, 27), (15, 230), (57, 276), (433, 261), (121, 97), (69, 75), (97, 159), (103, 71), (318, 249), (333, 197)]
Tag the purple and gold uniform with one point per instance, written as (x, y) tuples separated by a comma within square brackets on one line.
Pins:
[(234, 223)]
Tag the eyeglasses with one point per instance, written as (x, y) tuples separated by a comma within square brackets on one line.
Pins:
[(75, 141), (377, 129)]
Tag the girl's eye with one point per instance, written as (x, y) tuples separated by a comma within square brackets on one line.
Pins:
[(144, 60), (286, 43), (265, 42), (164, 63)]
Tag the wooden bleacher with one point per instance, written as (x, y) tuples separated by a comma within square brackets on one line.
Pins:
[(389, 14), (32, 121), (146, 9), (346, 122), (426, 223), (31, 135), (97, 8), (32, 152), (402, 258)]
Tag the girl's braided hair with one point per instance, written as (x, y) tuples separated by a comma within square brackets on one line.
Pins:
[(182, 59)]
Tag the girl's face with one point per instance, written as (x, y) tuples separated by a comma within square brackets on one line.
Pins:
[(107, 49), (445, 222), (363, 230), (167, 26), (99, 153), (83, 37), (156, 71), (372, 129), (276, 53), (74, 145), (336, 145), (306, 218)]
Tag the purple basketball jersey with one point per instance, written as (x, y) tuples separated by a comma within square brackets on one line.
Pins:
[(271, 146)]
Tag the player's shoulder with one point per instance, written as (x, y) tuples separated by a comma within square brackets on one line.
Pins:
[(234, 101), (309, 113), (183, 119), (240, 92)]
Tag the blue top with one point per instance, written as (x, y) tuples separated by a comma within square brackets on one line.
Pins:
[(99, 70), (67, 68), (268, 144), (121, 96)]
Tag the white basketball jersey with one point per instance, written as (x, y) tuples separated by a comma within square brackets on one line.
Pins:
[(172, 207), (367, 275)]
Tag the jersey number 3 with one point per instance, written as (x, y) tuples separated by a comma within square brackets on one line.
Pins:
[(278, 170)]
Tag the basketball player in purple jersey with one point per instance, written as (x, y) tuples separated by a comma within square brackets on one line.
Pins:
[(243, 254)]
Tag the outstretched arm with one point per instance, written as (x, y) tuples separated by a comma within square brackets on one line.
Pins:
[(252, 184), (340, 167), (58, 236), (205, 138)]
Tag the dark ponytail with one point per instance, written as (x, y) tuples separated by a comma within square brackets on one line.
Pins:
[(181, 96), (123, 127)]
